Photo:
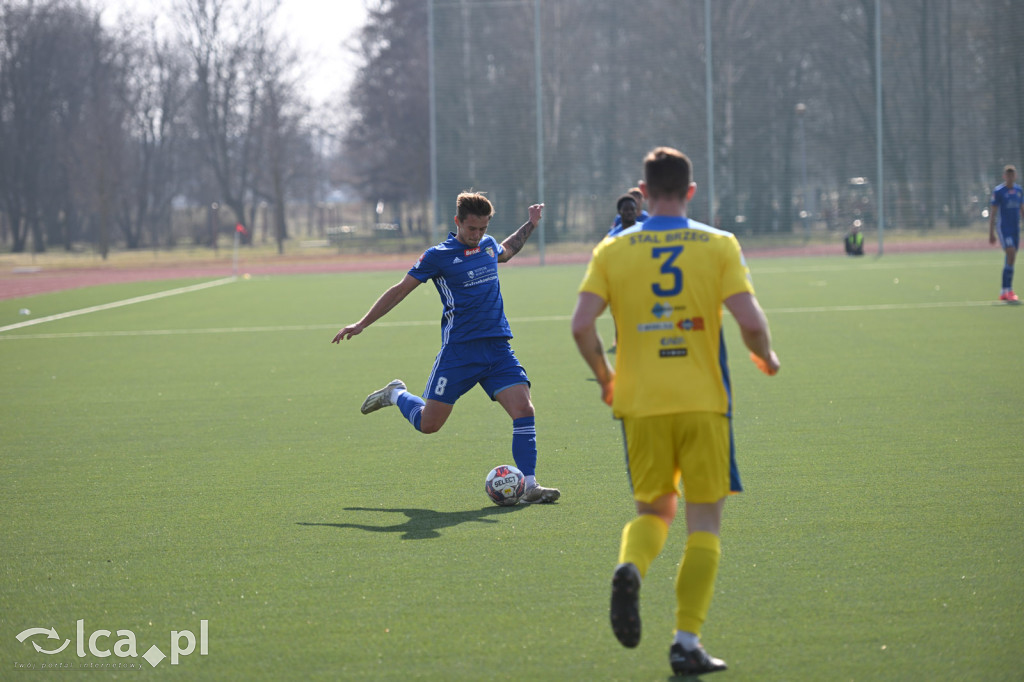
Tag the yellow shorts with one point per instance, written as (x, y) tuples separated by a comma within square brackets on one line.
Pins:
[(693, 446)]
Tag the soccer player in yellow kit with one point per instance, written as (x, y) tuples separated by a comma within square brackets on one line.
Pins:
[(665, 280)]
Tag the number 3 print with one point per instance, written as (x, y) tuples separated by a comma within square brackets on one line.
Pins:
[(670, 253)]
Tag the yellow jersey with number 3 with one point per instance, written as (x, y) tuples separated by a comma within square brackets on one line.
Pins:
[(665, 280)]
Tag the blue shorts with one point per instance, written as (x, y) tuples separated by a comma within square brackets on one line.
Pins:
[(461, 366), (1009, 239)]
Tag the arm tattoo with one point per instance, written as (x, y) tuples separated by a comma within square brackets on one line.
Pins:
[(513, 244)]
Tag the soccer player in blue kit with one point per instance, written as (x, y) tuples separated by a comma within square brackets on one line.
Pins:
[(639, 214), (1005, 214), (475, 334)]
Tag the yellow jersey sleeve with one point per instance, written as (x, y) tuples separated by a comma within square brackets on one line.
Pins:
[(665, 281)]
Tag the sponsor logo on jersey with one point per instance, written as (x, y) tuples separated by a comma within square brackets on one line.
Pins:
[(471, 252), (654, 327), (484, 279), (691, 324), (673, 341), (672, 353), (457, 260), (661, 310)]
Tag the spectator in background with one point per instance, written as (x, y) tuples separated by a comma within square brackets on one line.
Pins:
[(854, 241)]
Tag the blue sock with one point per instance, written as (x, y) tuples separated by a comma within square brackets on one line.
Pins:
[(412, 408), (1007, 276), (524, 445)]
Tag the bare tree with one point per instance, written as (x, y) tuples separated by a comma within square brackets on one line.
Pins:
[(51, 71), (156, 96), (99, 129), (95, 136), (282, 114), (387, 140), (223, 40)]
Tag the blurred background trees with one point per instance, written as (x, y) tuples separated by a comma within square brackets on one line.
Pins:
[(133, 137)]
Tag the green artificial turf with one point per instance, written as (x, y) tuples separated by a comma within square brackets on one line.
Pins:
[(201, 457)]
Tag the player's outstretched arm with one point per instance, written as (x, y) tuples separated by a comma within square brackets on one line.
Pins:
[(513, 244), (754, 330), (388, 300)]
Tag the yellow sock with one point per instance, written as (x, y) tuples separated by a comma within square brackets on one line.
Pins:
[(695, 583), (642, 540)]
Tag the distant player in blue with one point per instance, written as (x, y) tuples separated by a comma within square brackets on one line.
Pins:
[(639, 214), (1004, 221), (628, 205), (627, 208), (475, 334)]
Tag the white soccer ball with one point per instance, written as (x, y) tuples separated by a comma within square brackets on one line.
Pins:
[(505, 485)]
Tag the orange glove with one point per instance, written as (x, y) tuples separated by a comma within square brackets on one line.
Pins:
[(608, 393), (763, 366)]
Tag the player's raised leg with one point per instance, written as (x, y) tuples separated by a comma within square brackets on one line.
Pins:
[(383, 397), (426, 416), (432, 417)]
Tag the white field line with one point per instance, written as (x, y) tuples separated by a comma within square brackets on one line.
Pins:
[(765, 267), (430, 323), (118, 304), (883, 306)]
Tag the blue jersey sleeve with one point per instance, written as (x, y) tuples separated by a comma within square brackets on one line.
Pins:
[(427, 267)]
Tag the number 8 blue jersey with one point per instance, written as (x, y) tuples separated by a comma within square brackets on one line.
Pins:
[(467, 281)]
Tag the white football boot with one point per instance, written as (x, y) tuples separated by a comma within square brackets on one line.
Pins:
[(381, 397), (538, 494)]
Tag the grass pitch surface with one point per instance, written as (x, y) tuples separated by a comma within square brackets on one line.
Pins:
[(201, 457)]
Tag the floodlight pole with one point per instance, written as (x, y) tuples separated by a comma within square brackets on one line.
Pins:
[(539, 86), (234, 254), (710, 107), (434, 208), (805, 214), (880, 187)]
